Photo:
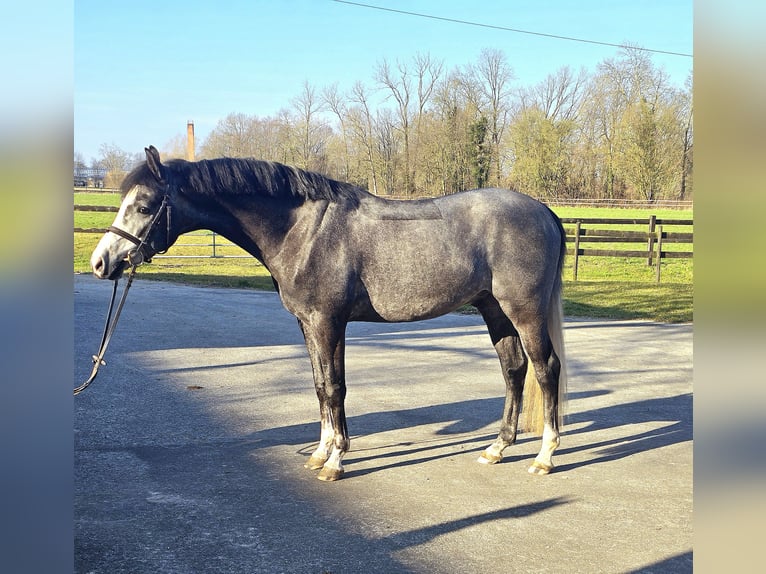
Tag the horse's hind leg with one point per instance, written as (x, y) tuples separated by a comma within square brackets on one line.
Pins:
[(547, 367), (513, 362)]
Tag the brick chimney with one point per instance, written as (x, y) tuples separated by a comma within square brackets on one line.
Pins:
[(190, 140)]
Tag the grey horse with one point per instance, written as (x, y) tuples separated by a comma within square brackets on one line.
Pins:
[(337, 254)]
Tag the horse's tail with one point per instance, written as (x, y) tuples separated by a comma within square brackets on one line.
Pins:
[(533, 397)]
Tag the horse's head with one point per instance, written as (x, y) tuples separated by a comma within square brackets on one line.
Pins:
[(144, 224)]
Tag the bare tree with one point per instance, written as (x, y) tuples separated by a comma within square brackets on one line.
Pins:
[(558, 96), (687, 118), (311, 130), (337, 105), (79, 161), (427, 73), (399, 84), (360, 122), (387, 148), (231, 137), (411, 88), (116, 162), (175, 147)]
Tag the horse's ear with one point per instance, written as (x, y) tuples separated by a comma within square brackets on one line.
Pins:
[(154, 163)]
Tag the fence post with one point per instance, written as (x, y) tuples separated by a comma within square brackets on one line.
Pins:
[(652, 223), (213, 233), (659, 251), (576, 251)]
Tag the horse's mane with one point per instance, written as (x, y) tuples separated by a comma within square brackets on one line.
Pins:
[(239, 176)]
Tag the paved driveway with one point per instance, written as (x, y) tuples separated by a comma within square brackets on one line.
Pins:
[(189, 446)]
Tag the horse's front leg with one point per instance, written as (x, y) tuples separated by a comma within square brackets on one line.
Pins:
[(325, 341), (326, 435)]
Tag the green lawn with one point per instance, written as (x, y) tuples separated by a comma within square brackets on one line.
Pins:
[(666, 302), (607, 287), (92, 198)]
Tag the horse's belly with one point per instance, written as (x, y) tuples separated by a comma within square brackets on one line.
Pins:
[(414, 270), (421, 297)]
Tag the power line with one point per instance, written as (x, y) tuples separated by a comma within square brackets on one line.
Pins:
[(506, 29)]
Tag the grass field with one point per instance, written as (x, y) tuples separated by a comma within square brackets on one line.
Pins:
[(607, 287)]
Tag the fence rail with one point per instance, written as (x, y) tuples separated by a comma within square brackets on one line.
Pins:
[(94, 189), (214, 246), (616, 242), (623, 203), (655, 237), (105, 208)]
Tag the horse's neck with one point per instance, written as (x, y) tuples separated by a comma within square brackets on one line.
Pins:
[(263, 226)]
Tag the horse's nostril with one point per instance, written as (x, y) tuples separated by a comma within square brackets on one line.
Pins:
[(98, 267)]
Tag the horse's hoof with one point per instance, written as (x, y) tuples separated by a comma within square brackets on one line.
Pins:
[(489, 458), (330, 474), (315, 463), (540, 468)]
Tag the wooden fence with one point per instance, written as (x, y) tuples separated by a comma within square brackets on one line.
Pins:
[(654, 237), (205, 244), (651, 233)]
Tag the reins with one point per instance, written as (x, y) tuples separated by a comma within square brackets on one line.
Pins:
[(135, 257), (109, 328)]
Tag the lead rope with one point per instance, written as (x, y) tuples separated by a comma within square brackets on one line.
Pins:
[(135, 258), (109, 328)]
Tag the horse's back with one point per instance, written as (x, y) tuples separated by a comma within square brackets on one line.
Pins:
[(511, 224), (423, 258), (504, 206), (492, 222), (511, 206)]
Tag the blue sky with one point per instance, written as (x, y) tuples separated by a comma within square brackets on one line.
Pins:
[(142, 69)]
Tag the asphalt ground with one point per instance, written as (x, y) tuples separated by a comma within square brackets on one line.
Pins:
[(190, 444)]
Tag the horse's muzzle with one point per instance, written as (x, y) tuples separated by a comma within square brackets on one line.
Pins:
[(103, 270)]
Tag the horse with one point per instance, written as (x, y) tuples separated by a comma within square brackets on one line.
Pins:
[(338, 254)]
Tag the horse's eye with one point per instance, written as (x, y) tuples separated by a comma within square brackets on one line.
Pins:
[(143, 210)]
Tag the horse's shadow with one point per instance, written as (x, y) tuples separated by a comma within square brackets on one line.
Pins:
[(676, 411), (464, 421)]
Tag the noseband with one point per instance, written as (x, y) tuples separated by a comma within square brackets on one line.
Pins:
[(143, 251)]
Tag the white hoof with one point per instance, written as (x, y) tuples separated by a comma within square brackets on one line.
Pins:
[(540, 468), (489, 458)]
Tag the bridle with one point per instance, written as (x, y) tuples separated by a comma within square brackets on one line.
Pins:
[(143, 252)]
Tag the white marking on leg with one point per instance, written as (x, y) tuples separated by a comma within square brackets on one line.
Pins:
[(543, 463), (334, 462), (494, 452), (333, 468), (322, 452), (325, 441)]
